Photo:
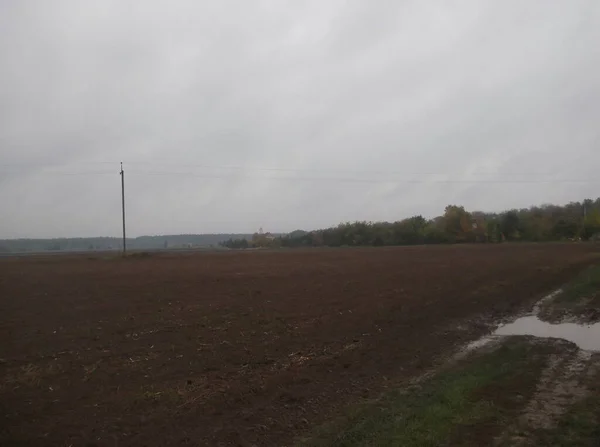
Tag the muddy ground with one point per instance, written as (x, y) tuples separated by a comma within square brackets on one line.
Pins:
[(241, 348), (514, 391)]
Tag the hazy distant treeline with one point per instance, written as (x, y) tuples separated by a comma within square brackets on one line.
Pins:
[(574, 221), (113, 243)]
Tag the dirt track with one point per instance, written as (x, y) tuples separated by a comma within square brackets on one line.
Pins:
[(240, 348)]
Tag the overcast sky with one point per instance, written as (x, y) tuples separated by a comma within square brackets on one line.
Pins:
[(235, 115)]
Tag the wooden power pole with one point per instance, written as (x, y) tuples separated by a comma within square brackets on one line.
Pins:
[(123, 207)]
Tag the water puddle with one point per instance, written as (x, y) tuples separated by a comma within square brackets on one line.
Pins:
[(586, 337)]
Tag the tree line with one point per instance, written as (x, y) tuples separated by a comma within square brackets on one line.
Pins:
[(172, 241), (574, 221)]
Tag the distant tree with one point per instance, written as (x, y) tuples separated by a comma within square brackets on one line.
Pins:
[(565, 229), (409, 231), (591, 224), (457, 224), (297, 233), (235, 243), (509, 224), (317, 238), (434, 233), (494, 234)]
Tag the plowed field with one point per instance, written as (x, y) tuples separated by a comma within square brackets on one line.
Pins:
[(241, 348)]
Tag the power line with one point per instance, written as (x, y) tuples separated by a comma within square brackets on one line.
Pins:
[(51, 165), (66, 174), (363, 180), (325, 170), (246, 176), (270, 169)]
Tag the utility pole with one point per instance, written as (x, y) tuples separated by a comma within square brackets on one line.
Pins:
[(584, 217), (123, 206)]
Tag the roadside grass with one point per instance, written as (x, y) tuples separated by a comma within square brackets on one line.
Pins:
[(586, 285), (467, 404), (580, 298), (580, 426)]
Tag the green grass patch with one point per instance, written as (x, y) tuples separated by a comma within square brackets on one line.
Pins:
[(579, 298), (579, 427), (467, 404), (586, 285)]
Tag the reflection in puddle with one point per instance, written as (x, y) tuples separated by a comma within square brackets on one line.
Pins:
[(586, 337)]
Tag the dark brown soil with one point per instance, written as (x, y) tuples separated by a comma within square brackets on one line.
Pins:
[(240, 348)]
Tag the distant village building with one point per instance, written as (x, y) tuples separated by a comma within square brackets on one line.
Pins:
[(263, 240)]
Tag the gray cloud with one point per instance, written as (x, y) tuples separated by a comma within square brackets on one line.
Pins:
[(367, 109)]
